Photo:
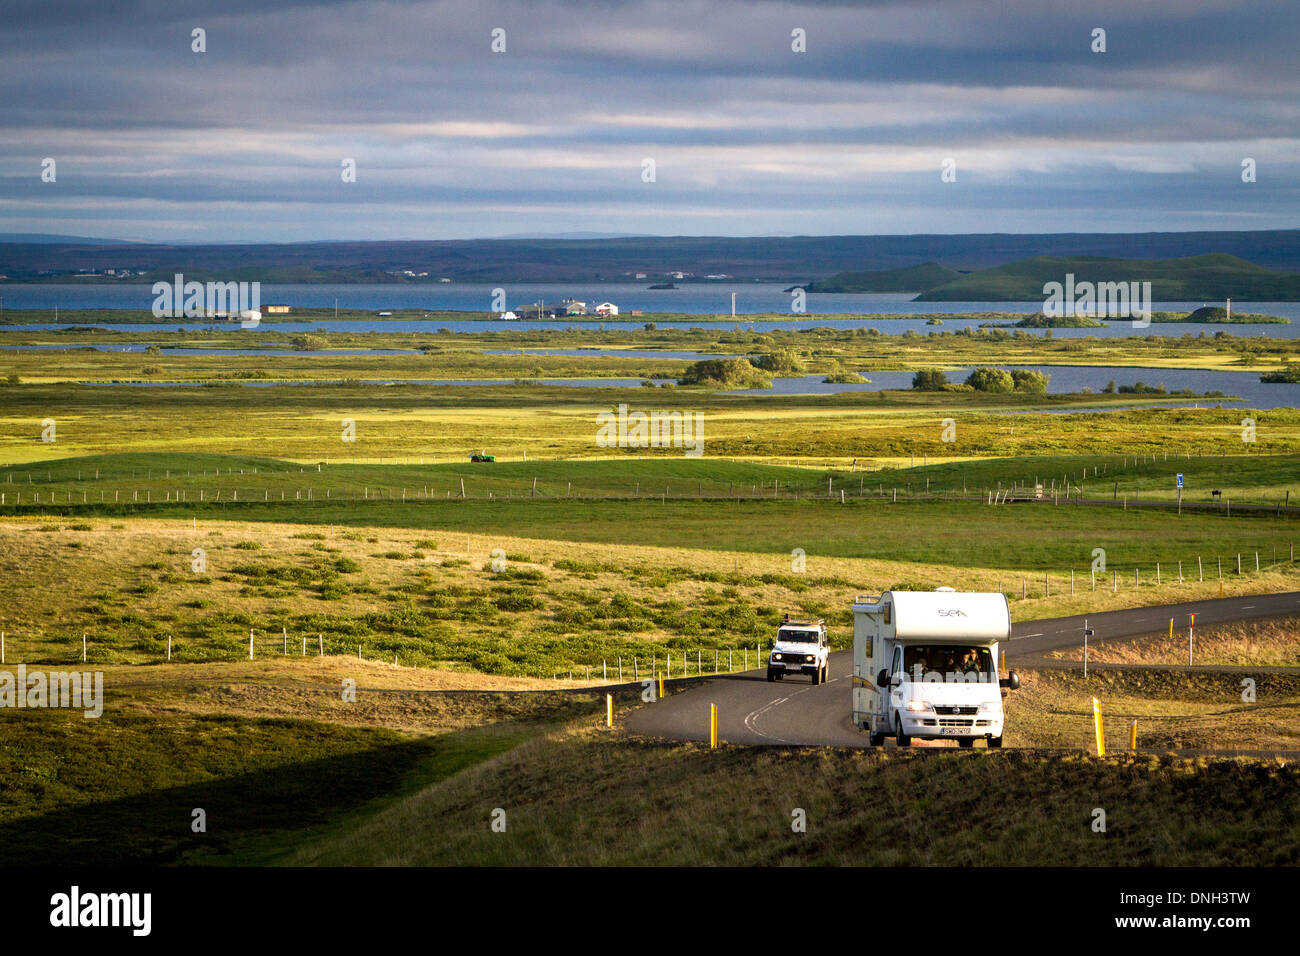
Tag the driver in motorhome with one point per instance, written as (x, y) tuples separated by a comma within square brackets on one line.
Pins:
[(949, 665)]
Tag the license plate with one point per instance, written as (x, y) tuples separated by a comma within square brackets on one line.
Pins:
[(955, 731)]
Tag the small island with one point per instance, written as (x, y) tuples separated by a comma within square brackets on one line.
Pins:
[(1217, 315), (1283, 376), (1206, 315), (1041, 321)]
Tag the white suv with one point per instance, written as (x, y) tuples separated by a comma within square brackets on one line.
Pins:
[(801, 648)]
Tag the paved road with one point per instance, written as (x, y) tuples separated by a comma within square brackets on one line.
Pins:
[(793, 711)]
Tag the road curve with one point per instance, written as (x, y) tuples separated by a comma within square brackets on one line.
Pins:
[(793, 711)]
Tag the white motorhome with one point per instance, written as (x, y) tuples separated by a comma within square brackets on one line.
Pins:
[(925, 665)]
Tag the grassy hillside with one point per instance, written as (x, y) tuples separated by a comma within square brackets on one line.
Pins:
[(929, 275), (586, 799), (272, 754), (1214, 276), (288, 772), (507, 583), (1271, 643)]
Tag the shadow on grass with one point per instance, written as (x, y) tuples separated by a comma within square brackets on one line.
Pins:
[(250, 817)]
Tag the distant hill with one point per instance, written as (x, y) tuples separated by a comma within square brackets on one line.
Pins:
[(40, 238), (1214, 276), (928, 275), (777, 258), (575, 235)]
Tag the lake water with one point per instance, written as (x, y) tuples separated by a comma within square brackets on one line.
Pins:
[(1062, 379), (710, 301), (138, 348), (141, 347), (1073, 378)]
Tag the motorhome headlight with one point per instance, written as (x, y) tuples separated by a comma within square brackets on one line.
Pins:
[(809, 658), (991, 707), (923, 705)]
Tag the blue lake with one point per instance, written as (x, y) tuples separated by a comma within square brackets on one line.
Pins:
[(1074, 378), (1062, 379), (711, 302)]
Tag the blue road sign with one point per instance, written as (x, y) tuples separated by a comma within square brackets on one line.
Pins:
[(1180, 479)]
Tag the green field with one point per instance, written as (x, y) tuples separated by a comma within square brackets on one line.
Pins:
[(84, 353), (168, 534), (414, 423), (744, 506), (593, 565), (147, 479)]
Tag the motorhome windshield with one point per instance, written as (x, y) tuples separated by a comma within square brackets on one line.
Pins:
[(946, 659), (799, 637)]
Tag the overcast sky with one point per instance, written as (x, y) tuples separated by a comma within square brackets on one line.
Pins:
[(245, 141)]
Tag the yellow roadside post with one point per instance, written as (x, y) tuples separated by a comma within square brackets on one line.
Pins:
[(609, 710), (713, 725), (1133, 736), (1096, 719), (1171, 628), (1003, 668), (661, 686)]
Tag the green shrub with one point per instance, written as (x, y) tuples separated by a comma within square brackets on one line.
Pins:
[(779, 362), (724, 373), (991, 380), (929, 380), (1027, 380)]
